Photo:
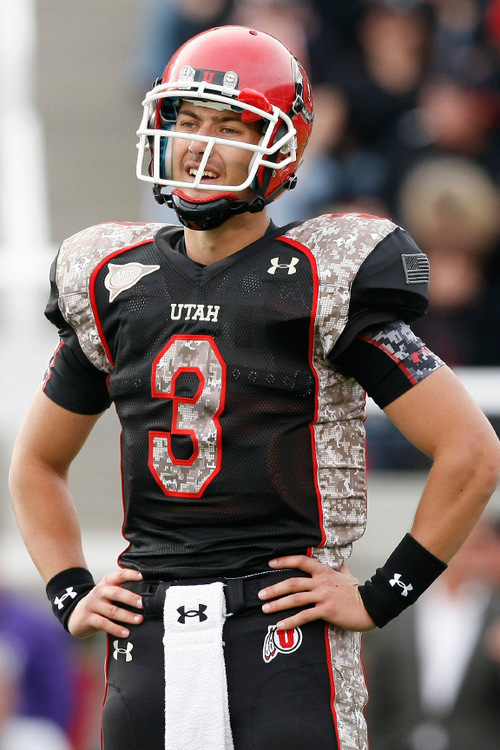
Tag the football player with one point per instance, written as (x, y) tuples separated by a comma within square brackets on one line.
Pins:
[(237, 354)]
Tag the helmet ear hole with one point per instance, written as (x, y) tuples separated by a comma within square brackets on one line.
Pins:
[(266, 174), (167, 112)]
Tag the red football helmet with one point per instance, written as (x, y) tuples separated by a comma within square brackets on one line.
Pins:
[(250, 72)]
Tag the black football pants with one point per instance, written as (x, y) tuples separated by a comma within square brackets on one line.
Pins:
[(279, 685)]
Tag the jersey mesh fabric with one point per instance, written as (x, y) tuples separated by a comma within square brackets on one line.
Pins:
[(256, 496), (241, 439)]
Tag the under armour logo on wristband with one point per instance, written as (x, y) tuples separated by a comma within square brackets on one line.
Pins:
[(396, 581), (59, 600)]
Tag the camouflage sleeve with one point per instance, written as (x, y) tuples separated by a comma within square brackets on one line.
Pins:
[(387, 361)]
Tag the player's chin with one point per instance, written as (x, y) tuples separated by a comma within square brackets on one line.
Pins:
[(201, 195)]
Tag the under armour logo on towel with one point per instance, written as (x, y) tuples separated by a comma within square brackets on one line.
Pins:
[(192, 613), (290, 267)]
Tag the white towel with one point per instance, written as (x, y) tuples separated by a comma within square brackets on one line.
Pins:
[(196, 701)]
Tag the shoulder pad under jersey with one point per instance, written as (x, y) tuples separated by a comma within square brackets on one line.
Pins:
[(395, 277), (340, 244), (391, 284)]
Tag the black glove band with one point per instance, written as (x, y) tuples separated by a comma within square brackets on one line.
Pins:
[(408, 572), (66, 589)]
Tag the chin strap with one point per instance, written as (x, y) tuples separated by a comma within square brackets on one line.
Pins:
[(212, 213)]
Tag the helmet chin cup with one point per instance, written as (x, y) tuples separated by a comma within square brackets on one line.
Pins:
[(201, 215)]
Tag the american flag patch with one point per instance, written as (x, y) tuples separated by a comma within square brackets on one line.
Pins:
[(416, 267)]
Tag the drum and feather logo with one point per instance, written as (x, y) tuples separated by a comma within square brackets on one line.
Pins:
[(280, 642)]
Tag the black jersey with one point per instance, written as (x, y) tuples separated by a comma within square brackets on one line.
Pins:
[(241, 437)]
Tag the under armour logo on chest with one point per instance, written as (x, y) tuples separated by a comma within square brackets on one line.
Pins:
[(200, 612), (289, 267)]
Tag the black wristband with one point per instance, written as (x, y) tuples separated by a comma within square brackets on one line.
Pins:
[(66, 589), (408, 572)]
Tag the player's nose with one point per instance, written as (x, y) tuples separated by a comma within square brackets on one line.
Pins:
[(196, 148)]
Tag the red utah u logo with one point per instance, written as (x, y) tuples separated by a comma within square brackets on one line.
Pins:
[(280, 642)]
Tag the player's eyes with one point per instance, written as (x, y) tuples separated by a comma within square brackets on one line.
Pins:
[(186, 124), (223, 131)]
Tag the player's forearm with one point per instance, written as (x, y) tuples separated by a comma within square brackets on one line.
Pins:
[(440, 418), (458, 489), (463, 477), (47, 518), (47, 443)]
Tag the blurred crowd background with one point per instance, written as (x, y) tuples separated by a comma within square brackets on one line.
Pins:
[(407, 97), (407, 126)]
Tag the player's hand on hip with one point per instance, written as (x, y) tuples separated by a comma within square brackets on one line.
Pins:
[(327, 595), (100, 609)]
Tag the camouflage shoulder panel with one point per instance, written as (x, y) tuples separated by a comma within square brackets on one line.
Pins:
[(339, 243), (78, 256)]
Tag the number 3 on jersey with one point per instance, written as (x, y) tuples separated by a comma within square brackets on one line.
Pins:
[(196, 416)]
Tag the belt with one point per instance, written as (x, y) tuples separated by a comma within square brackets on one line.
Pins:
[(241, 593)]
